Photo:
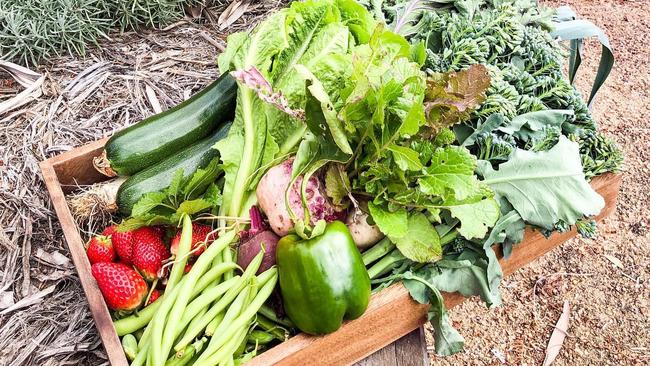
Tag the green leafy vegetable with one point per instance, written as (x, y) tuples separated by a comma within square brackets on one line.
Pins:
[(192, 195), (547, 186), (421, 242)]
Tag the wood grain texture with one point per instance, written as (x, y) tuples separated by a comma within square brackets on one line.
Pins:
[(390, 315), (96, 302)]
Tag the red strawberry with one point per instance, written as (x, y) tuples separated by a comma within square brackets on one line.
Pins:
[(199, 236), (100, 249), (155, 294), (109, 230), (188, 268), (149, 252), (123, 243), (123, 288)]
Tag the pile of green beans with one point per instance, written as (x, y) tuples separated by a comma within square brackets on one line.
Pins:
[(208, 316)]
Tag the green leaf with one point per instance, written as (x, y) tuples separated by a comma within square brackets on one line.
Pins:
[(405, 158), (547, 186), (176, 183), (491, 123), (451, 174), (201, 179), (193, 206), (316, 91), (213, 195), (577, 30), (390, 223), (531, 125), (148, 202), (447, 340), (476, 218), (337, 184), (421, 242)]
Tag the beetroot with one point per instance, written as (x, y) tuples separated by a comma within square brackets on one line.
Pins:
[(271, 198), (251, 242)]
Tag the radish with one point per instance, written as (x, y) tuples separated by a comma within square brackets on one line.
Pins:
[(363, 233), (252, 241), (271, 198)]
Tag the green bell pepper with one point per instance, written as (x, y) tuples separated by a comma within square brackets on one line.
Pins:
[(323, 279)]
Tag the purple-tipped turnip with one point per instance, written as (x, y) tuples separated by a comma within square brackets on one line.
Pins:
[(252, 240), (271, 198)]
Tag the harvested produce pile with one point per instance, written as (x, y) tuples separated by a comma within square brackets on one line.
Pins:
[(441, 170)]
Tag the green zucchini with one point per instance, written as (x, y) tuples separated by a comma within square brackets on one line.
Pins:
[(157, 137), (159, 176)]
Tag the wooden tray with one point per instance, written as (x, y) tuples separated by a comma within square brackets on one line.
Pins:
[(390, 315)]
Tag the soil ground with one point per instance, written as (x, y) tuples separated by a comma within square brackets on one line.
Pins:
[(605, 280)]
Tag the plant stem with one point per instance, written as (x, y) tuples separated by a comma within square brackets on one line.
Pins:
[(377, 251), (385, 264)]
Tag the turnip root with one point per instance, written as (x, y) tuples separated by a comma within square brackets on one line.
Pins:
[(252, 240), (271, 198), (363, 234)]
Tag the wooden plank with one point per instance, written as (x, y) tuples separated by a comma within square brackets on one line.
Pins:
[(75, 167), (96, 302), (390, 315), (386, 356), (411, 350)]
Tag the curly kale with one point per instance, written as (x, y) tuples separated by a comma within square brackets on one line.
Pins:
[(494, 148)]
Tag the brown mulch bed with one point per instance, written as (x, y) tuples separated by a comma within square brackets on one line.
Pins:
[(44, 319)]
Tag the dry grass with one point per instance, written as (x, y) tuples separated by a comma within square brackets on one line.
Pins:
[(48, 323)]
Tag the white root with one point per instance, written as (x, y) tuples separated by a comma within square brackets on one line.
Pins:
[(363, 234), (95, 202)]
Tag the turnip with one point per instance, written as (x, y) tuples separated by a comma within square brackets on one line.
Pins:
[(252, 240), (363, 233), (271, 198)]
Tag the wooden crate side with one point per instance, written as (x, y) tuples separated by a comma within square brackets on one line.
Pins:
[(75, 167), (392, 313), (96, 303)]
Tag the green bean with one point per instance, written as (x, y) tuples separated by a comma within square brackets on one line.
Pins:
[(227, 257), (229, 347), (260, 337), (163, 335), (189, 352), (272, 328), (271, 315), (139, 320), (220, 342), (184, 247), (215, 309), (234, 309), (130, 346), (204, 300)]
